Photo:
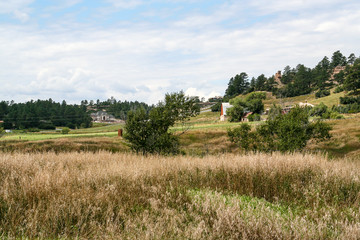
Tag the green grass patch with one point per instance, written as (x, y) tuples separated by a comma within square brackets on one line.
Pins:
[(40, 136)]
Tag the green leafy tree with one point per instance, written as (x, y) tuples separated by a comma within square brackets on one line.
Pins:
[(149, 132), (236, 112), (216, 107), (286, 133)]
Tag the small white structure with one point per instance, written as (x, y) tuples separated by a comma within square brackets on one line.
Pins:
[(224, 108), (102, 116), (306, 104)]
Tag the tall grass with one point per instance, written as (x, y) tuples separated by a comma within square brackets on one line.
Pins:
[(126, 196)]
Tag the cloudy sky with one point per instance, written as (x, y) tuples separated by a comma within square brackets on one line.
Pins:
[(142, 49)]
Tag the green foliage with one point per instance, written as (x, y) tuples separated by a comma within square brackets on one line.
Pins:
[(149, 132), (252, 103), (236, 113), (285, 132), (216, 107), (339, 89), (349, 100), (274, 111), (319, 110), (338, 59), (349, 108), (43, 114), (237, 85), (244, 137), (1, 131), (254, 117), (324, 112), (322, 93), (65, 130), (256, 95), (352, 80)]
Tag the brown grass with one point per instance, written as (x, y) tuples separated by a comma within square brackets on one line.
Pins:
[(125, 196)]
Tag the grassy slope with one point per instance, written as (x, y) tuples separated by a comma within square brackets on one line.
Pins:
[(332, 99)]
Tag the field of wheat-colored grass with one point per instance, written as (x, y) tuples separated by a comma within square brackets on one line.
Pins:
[(128, 196)]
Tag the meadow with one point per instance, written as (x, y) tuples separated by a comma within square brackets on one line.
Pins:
[(128, 196), (87, 185)]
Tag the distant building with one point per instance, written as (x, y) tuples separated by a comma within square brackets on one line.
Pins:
[(102, 116), (306, 104), (224, 108), (245, 118)]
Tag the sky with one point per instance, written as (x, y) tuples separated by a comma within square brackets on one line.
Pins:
[(141, 49)]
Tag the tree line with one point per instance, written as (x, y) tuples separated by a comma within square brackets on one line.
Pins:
[(301, 79), (43, 114), (119, 109)]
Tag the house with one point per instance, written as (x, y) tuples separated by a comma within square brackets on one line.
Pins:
[(224, 108), (245, 118), (102, 116)]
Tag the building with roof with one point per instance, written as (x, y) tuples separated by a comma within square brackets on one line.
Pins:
[(102, 116), (224, 108)]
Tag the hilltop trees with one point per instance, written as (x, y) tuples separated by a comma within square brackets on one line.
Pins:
[(352, 81), (296, 81), (148, 132), (237, 85)]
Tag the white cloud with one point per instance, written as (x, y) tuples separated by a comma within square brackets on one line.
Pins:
[(126, 3), (18, 8)]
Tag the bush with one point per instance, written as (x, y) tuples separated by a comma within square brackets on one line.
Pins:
[(349, 100), (336, 115), (254, 117), (286, 133), (322, 93), (65, 130), (350, 108), (339, 89), (216, 107), (33, 130)]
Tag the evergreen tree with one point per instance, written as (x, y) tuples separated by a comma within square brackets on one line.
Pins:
[(237, 85)]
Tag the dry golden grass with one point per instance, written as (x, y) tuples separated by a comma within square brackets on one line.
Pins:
[(126, 196)]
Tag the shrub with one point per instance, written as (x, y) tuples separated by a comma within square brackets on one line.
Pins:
[(322, 93), (339, 89), (216, 107), (254, 117), (286, 133), (65, 130)]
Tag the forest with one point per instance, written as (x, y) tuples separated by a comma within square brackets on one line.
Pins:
[(297, 81)]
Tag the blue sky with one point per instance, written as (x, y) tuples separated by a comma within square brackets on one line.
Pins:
[(140, 50)]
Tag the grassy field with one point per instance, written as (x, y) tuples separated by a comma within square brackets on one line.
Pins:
[(125, 196), (332, 99)]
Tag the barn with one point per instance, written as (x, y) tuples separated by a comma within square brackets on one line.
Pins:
[(224, 108)]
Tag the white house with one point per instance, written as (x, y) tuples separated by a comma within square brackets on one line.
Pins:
[(102, 116)]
